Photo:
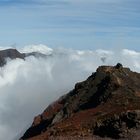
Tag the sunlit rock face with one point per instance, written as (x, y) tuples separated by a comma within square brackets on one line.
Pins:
[(106, 105)]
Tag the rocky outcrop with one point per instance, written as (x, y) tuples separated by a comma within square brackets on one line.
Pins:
[(119, 126), (106, 105)]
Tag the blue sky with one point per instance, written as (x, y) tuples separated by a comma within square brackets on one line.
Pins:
[(79, 24)]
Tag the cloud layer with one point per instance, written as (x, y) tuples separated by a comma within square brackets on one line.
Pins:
[(27, 87)]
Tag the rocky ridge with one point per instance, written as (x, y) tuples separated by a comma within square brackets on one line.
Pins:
[(13, 54), (9, 53), (105, 106)]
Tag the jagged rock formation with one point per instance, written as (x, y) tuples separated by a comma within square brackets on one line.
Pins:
[(106, 105)]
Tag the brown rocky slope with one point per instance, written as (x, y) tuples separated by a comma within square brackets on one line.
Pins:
[(106, 105)]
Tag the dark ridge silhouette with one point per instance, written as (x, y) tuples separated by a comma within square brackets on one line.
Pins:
[(9, 53), (13, 54), (36, 54), (107, 104)]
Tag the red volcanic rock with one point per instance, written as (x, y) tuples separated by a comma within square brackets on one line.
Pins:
[(105, 106)]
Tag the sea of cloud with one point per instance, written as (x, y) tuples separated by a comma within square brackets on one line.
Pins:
[(28, 86)]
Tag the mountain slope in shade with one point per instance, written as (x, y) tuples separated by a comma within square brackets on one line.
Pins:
[(106, 105), (13, 54), (9, 53)]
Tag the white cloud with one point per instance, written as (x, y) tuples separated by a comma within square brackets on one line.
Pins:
[(37, 48), (131, 53), (27, 87)]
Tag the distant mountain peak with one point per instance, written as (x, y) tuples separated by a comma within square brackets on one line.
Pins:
[(9, 53), (13, 54)]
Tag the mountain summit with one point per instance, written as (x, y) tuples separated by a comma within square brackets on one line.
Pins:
[(106, 105)]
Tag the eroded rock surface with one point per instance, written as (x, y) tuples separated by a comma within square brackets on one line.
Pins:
[(105, 106)]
